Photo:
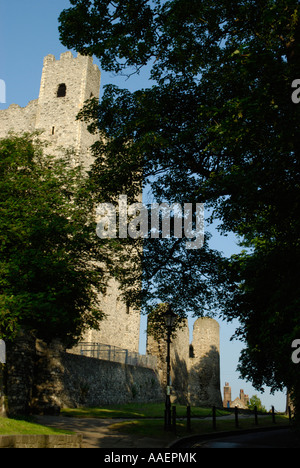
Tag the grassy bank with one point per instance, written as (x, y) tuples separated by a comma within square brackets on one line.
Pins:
[(26, 426), (136, 411), (146, 420)]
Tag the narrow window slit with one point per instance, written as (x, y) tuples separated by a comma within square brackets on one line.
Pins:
[(62, 90)]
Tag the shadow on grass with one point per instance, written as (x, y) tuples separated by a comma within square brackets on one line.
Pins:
[(136, 411), (155, 428)]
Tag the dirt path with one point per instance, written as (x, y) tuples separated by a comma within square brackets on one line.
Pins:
[(97, 434)]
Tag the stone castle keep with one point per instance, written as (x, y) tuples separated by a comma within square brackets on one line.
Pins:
[(65, 85)]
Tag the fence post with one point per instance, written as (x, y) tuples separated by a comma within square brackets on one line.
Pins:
[(188, 418), (255, 415), (214, 417), (174, 419), (236, 416), (273, 415)]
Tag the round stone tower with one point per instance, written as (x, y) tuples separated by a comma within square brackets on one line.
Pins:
[(204, 364)]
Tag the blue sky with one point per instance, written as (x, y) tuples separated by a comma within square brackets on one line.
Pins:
[(29, 32)]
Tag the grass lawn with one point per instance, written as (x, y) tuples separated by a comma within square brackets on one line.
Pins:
[(155, 428), (146, 420), (136, 411), (26, 426)]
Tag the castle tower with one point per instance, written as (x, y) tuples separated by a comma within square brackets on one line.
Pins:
[(65, 85), (195, 367), (179, 357), (244, 398), (204, 376), (227, 395)]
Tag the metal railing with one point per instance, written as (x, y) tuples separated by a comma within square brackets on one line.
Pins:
[(115, 354)]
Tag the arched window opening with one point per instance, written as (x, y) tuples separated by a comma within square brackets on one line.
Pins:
[(62, 90)]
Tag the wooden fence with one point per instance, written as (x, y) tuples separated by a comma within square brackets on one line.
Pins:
[(214, 416)]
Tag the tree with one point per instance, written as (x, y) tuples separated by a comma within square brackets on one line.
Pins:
[(255, 401), (218, 127), (49, 252)]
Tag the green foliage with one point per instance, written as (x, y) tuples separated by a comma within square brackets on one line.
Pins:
[(255, 401), (156, 325), (48, 246)]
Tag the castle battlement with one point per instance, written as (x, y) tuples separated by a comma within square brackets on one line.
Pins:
[(65, 56)]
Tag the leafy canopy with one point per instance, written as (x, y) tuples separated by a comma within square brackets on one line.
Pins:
[(48, 247)]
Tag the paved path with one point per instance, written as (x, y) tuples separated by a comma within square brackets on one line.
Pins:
[(278, 438), (97, 434)]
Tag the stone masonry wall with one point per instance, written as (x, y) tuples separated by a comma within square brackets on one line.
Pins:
[(41, 441), (42, 378), (93, 382), (19, 374), (121, 325), (16, 118)]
